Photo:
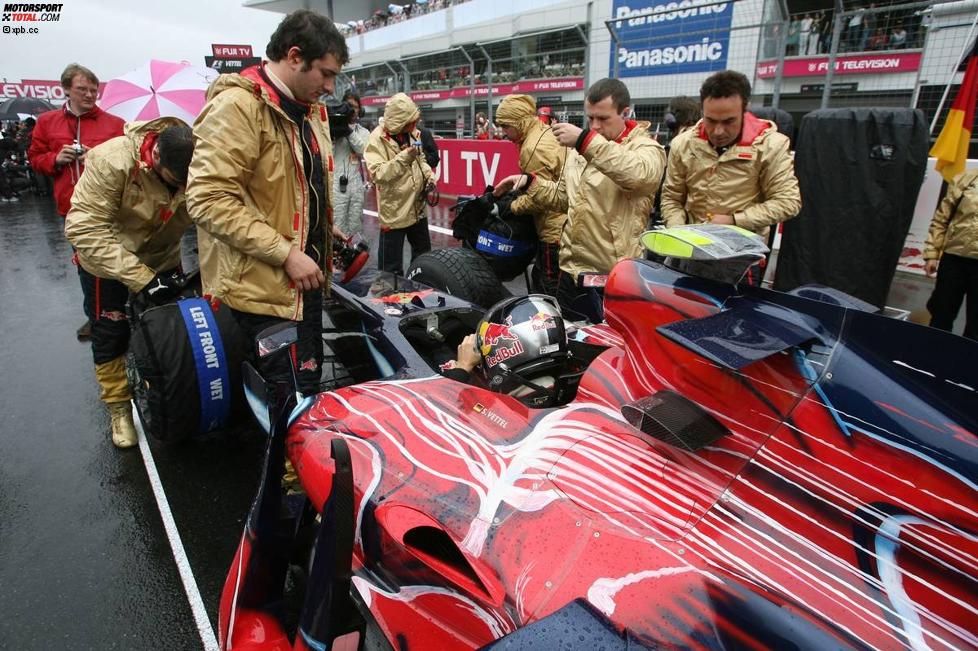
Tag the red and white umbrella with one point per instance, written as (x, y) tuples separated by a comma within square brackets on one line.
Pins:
[(159, 88)]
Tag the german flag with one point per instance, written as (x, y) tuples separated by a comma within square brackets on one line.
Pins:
[(951, 148)]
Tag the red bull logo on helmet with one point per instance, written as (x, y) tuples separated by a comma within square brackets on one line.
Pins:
[(491, 334), (542, 321), (502, 353)]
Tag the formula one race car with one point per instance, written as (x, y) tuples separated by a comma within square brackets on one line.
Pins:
[(737, 468)]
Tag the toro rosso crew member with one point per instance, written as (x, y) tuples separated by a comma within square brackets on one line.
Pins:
[(951, 250), (612, 173), (260, 185), (60, 143), (732, 167), (542, 156), (403, 179), (127, 216)]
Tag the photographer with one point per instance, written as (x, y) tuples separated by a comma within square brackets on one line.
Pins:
[(349, 140), (404, 180), (59, 144)]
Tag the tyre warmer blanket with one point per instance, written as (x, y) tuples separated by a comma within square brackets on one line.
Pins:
[(188, 358)]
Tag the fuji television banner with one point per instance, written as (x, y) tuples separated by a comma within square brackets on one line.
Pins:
[(674, 38)]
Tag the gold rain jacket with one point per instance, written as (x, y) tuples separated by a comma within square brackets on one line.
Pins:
[(754, 180), (399, 176), (607, 191), (123, 221), (954, 228), (540, 155), (248, 194)]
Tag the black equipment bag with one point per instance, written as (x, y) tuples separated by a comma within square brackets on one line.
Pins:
[(184, 366), (508, 242), (859, 171)]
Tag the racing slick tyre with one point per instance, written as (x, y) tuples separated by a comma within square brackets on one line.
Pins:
[(460, 272), (184, 368)]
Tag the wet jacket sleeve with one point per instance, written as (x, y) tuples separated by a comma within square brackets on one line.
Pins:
[(40, 153), (549, 195), (226, 150), (89, 224), (674, 190), (782, 198), (545, 164), (384, 169), (937, 234), (635, 166)]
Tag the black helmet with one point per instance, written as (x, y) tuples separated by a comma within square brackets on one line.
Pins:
[(524, 347)]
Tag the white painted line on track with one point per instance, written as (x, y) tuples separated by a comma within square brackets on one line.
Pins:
[(176, 545), (436, 229)]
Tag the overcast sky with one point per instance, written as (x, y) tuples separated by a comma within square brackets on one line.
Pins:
[(113, 36)]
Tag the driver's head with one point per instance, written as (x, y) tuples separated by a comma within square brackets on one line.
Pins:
[(524, 347)]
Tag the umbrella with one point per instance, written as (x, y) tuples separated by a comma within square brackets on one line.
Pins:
[(13, 108), (159, 88)]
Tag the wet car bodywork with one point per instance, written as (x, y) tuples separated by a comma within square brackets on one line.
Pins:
[(740, 468)]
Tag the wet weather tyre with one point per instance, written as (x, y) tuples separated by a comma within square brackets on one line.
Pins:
[(463, 273)]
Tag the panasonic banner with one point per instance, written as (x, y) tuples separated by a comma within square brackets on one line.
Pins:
[(672, 37)]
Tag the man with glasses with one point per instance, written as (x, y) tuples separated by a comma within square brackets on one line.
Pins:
[(60, 144)]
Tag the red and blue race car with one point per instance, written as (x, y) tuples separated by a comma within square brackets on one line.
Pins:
[(737, 468)]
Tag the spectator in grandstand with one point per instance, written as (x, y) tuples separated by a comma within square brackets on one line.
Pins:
[(545, 115), (397, 165), (804, 32), (794, 37), (127, 216), (483, 130), (815, 34), (612, 172), (879, 40), (732, 167), (951, 251), (854, 32), (898, 37), (825, 33), (543, 156), (60, 142)]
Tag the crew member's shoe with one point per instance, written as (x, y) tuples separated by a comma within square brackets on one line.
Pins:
[(84, 333), (123, 430)]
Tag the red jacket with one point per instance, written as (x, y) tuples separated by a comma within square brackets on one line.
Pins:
[(60, 127)]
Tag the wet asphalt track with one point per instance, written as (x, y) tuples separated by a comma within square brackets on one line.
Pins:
[(85, 562)]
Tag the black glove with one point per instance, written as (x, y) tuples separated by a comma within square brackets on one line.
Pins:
[(164, 286)]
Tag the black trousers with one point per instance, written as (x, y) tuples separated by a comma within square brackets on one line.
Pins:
[(957, 279), (105, 305), (546, 273), (579, 304), (391, 249), (306, 353)]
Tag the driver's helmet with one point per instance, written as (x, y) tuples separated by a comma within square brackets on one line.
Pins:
[(524, 347)]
